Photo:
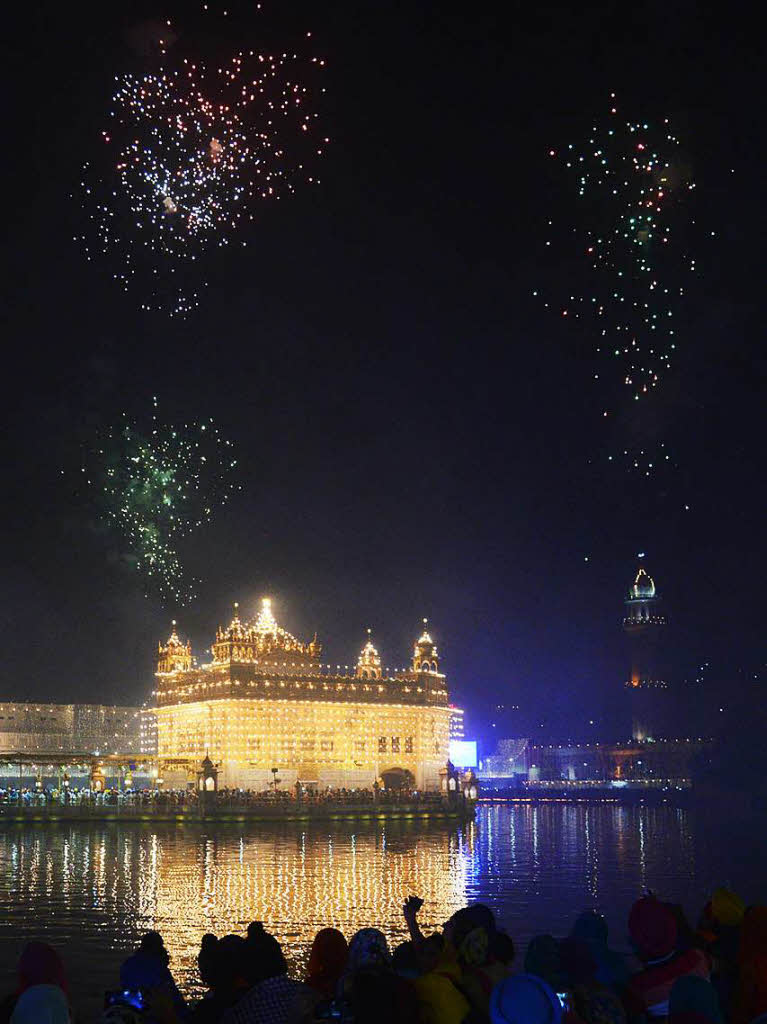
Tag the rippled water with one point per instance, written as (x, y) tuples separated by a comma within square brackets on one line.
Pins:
[(91, 890)]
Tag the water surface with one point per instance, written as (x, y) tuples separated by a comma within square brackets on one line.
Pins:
[(92, 890)]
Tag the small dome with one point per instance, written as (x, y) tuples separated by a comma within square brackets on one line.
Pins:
[(424, 640), (174, 641), (236, 630), (369, 655), (369, 661), (644, 585), (425, 648)]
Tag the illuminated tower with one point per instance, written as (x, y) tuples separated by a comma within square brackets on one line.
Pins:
[(174, 654), (645, 627), (425, 657), (369, 661)]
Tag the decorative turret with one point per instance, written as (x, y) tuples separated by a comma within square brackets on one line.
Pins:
[(174, 655), (236, 629), (235, 642), (369, 661), (425, 657), (207, 776)]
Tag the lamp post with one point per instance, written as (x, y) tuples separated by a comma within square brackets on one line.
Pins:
[(275, 780)]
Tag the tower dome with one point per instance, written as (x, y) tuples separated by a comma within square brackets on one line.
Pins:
[(643, 586), (369, 661)]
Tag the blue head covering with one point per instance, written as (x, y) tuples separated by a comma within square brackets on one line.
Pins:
[(41, 1004), (368, 948), (591, 929), (524, 999), (543, 958)]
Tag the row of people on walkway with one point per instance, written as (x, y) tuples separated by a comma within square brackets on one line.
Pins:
[(465, 973), (191, 797)]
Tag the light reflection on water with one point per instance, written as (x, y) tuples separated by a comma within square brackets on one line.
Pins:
[(93, 890)]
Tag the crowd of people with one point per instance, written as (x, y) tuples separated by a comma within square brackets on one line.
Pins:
[(224, 798), (466, 973)]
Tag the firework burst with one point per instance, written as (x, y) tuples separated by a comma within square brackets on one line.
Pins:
[(632, 227), (157, 485), (191, 154)]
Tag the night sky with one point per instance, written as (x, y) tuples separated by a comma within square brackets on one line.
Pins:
[(418, 435)]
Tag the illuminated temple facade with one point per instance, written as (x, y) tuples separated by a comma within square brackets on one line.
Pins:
[(265, 702)]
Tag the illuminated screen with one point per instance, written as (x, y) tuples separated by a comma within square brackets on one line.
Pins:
[(463, 753)]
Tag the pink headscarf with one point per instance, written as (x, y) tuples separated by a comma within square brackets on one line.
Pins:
[(327, 961), (40, 964), (652, 928)]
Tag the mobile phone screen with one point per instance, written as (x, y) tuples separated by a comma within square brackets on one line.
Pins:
[(127, 997)]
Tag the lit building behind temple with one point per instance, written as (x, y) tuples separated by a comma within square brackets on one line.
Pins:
[(265, 708), (147, 717), (457, 729), (645, 626), (28, 728)]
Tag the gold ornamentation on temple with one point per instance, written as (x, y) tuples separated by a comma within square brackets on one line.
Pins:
[(265, 702)]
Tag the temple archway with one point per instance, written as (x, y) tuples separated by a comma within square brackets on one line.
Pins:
[(398, 778)]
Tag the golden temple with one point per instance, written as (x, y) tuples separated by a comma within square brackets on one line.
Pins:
[(268, 713)]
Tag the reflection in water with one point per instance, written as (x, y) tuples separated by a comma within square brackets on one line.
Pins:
[(119, 882), (95, 889)]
